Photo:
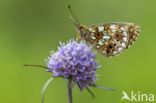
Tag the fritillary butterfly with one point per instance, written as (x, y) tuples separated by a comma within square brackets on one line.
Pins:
[(109, 39)]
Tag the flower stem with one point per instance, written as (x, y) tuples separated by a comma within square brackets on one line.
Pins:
[(69, 86)]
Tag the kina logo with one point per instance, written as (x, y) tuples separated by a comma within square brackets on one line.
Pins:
[(137, 96)]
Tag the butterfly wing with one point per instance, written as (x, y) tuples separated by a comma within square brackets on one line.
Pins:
[(111, 39)]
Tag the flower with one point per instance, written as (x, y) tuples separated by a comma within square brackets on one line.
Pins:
[(75, 61)]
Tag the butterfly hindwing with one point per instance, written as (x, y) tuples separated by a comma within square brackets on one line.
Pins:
[(111, 39)]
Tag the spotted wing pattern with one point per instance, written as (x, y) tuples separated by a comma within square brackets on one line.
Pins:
[(111, 39)]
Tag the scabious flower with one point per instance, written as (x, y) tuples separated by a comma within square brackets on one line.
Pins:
[(74, 61)]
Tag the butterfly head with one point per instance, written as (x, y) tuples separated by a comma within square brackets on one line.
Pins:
[(82, 31)]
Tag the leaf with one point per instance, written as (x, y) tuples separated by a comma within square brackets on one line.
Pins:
[(36, 65), (91, 93), (103, 88), (44, 88)]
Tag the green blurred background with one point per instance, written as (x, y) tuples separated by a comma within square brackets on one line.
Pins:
[(29, 29)]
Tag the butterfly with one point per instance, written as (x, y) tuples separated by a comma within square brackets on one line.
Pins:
[(109, 39)]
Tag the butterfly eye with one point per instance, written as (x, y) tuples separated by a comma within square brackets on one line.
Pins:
[(79, 27)]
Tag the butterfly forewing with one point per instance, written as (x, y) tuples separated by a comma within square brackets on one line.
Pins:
[(110, 39)]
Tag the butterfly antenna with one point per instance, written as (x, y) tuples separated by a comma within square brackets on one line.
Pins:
[(73, 17)]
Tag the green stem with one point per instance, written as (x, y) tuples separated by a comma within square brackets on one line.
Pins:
[(69, 87)]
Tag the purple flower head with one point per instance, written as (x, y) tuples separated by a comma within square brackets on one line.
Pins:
[(76, 61)]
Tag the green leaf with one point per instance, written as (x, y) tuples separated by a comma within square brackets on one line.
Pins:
[(103, 88), (36, 65), (44, 88), (91, 93)]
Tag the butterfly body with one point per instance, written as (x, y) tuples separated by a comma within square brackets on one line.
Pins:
[(109, 39)]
